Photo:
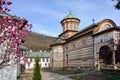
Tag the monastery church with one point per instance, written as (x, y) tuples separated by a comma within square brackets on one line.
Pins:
[(94, 47)]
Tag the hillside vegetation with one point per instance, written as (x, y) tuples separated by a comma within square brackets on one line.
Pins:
[(37, 42)]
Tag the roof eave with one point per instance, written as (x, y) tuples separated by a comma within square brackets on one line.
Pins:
[(69, 18)]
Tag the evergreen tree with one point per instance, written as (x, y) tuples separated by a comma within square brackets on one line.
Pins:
[(37, 74)]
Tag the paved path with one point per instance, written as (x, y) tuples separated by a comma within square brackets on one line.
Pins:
[(53, 76), (28, 74)]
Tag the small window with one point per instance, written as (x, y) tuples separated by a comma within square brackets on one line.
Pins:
[(84, 42), (101, 40), (66, 47), (34, 65), (45, 64), (74, 45), (84, 59), (67, 58), (43, 59), (28, 64), (46, 59), (40, 65), (48, 64), (30, 59), (40, 60), (27, 59)]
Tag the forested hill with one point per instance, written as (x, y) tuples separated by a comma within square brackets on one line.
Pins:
[(37, 42)]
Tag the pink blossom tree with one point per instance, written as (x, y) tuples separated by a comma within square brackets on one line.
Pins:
[(12, 31)]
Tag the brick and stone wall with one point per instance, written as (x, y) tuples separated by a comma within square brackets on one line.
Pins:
[(57, 57), (100, 41), (79, 52), (82, 49)]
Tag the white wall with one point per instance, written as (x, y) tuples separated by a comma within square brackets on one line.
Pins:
[(8, 73), (44, 64)]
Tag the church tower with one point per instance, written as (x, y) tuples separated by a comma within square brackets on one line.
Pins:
[(70, 25)]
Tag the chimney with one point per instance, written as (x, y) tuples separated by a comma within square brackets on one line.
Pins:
[(44, 51), (40, 50), (30, 50)]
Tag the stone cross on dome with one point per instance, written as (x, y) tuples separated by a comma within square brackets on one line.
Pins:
[(70, 12), (93, 21)]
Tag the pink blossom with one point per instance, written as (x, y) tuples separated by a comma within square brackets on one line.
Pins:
[(9, 2)]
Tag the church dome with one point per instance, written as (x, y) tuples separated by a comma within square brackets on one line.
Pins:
[(70, 16)]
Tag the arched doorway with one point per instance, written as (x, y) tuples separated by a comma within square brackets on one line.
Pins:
[(105, 56)]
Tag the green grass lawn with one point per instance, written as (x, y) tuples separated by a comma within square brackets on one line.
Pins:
[(114, 77)]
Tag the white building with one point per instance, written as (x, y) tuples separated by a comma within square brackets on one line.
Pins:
[(44, 61)]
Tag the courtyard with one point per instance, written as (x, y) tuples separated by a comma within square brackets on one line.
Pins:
[(28, 74), (47, 75)]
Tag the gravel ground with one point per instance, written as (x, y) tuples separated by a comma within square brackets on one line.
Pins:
[(53, 76)]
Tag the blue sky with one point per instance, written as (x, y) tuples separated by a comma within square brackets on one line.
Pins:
[(45, 15)]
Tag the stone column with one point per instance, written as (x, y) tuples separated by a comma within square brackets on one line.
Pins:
[(115, 47), (113, 57)]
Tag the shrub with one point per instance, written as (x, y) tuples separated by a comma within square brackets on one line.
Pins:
[(114, 77)]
